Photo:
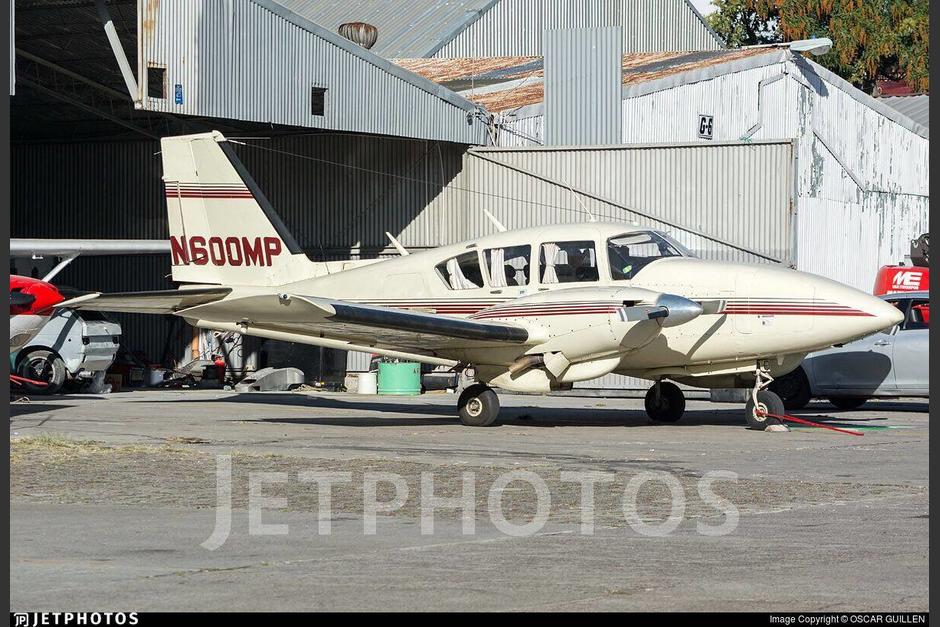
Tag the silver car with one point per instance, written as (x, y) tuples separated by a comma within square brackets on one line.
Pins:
[(69, 347), (887, 364)]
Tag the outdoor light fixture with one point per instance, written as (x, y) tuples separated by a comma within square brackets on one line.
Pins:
[(817, 46)]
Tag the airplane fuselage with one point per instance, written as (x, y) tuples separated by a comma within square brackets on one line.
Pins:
[(751, 311)]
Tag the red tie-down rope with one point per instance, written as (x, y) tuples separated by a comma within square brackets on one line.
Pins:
[(17, 380), (810, 423)]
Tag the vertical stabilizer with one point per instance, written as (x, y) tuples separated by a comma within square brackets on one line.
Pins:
[(222, 228)]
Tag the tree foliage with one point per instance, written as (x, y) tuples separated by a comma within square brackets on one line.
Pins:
[(872, 39)]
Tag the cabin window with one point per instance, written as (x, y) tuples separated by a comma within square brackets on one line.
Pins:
[(568, 262), (461, 272), (631, 252), (508, 266)]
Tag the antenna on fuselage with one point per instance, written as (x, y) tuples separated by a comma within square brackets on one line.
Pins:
[(401, 249), (591, 216), (499, 225)]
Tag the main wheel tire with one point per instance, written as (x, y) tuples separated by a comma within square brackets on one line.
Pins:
[(793, 388), (42, 365), (767, 403), (478, 406), (668, 405), (848, 402)]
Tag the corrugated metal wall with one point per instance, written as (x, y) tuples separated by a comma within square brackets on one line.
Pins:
[(515, 27), (242, 60), (862, 179), (705, 194), (582, 86)]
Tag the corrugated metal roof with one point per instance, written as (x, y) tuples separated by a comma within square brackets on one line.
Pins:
[(406, 29), (504, 83), (257, 61), (916, 107)]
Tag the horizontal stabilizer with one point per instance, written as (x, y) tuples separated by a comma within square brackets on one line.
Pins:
[(158, 302)]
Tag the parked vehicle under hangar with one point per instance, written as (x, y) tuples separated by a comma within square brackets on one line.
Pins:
[(71, 347)]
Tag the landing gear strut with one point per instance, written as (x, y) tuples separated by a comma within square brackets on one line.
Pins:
[(762, 401), (665, 402), (478, 406)]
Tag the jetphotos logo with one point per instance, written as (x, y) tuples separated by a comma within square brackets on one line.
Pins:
[(229, 251)]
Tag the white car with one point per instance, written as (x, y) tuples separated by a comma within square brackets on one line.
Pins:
[(891, 363), (69, 347)]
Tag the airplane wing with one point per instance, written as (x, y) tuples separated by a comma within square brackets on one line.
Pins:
[(365, 324), (158, 302)]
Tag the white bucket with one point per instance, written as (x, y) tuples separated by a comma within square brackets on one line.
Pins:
[(368, 383)]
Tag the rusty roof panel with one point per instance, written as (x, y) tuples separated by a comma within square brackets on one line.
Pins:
[(523, 75)]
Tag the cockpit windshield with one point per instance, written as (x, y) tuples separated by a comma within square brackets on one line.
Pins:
[(631, 252)]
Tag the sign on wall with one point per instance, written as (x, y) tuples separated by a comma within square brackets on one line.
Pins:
[(706, 125)]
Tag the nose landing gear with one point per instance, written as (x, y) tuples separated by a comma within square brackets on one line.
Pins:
[(665, 402), (762, 401)]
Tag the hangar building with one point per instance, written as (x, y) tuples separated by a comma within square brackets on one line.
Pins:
[(408, 137)]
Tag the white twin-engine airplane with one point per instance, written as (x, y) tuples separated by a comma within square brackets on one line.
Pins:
[(530, 310)]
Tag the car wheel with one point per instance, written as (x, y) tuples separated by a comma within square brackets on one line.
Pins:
[(848, 402), (42, 365), (793, 389)]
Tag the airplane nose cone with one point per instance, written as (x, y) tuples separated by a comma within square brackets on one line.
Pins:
[(885, 314)]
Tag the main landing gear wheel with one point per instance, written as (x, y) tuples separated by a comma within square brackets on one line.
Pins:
[(665, 402), (478, 406), (767, 403)]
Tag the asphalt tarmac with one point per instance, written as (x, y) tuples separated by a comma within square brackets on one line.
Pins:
[(114, 503)]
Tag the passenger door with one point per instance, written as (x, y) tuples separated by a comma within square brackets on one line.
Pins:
[(911, 352)]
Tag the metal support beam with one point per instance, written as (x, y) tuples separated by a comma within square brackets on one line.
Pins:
[(118, 50), (84, 107), (66, 72), (59, 267)]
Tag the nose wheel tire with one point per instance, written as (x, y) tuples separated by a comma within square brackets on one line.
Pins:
[(665, 405), (767, 403), (478, 406)]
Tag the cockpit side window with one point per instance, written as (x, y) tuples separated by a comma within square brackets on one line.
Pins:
[(568, 262), (631, 252), (461, 272), (508, 266)]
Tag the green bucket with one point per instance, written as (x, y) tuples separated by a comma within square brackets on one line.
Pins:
[(401, 379)]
